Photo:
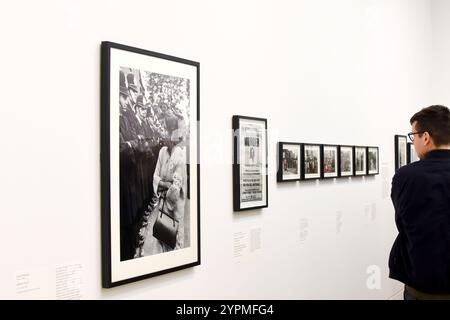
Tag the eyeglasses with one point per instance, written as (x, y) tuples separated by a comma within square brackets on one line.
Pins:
[(411, 134)]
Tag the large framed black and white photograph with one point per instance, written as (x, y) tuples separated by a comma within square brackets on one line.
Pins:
[(312, 161), (289, 161), (360, 161), (330, 161), (149, 164), (346, 161), (373, 161), (249, 163), (400, 151)]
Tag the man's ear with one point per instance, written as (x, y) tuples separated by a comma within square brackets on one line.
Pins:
[(427, 139)]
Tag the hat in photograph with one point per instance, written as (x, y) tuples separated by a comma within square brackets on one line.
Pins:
[(140, 101), (122, 85), (131, 84)]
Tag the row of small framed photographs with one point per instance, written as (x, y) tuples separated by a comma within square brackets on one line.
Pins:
[(304, 161)]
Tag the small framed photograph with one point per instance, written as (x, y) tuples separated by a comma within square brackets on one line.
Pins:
[(346, 161), (249, 163), (150, 183), (360, 161), (289, 161), (400, 151), (311, 161), (372, 160), (330, 161), (412, 154)]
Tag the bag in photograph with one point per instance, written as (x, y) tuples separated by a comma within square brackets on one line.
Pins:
[(166, 226)]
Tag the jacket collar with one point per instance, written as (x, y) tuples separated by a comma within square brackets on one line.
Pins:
[(438, 154)]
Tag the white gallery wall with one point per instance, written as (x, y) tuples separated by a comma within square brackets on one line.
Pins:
[(341, 72), (441, 51)]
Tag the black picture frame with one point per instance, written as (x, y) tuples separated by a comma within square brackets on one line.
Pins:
[(322, 162), (363, 172), (256, 126), (351, 172), (311, 176), (377, 162), (115, 270), (281, 161), (401, 152)]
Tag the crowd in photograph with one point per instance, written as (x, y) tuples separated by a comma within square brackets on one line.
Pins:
[(153, 114)]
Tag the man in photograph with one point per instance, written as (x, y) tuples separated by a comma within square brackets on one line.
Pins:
[(144, 155), (130, 190), (420, 256), (133, 90)]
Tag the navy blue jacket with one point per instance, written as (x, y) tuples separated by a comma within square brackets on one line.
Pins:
[(420, 256)]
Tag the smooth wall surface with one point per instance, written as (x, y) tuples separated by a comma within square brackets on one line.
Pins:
[(342, 72), (441, 51)]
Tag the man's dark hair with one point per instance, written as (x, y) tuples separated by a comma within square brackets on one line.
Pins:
[(436, 121)]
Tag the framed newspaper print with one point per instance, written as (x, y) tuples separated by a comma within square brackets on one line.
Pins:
[(289, 161), (346, 161), (330, 161), (312, 154), (373, 161), (360, 154), (249, 163), (400, 151), (150, 185)]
